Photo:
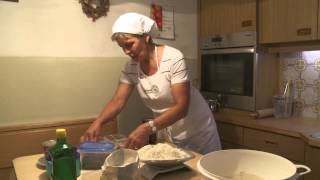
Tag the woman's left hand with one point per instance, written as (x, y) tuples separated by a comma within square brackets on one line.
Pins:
[(138, 138)]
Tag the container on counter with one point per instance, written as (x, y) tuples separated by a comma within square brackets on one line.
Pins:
[(282, 106), (118, 139), (121, 164), (48, 159), (93, 154), (46, 145), (62, 164), (244, 164)]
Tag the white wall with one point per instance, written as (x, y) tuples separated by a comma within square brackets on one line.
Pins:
[(40, 39), (58, 28)]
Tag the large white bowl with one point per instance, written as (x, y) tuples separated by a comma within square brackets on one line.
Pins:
[(242, 164)]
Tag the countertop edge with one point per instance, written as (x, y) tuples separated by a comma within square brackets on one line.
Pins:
[(298, 127)]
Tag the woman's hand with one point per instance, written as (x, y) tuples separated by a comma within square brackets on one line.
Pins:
[(139, 137), (110, 111), (92, 133)]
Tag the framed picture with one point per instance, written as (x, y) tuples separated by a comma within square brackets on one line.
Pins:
[(163, 16)]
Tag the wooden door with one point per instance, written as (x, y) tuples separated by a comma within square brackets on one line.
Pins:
[(227, 16), (287, 20), (313, 162)]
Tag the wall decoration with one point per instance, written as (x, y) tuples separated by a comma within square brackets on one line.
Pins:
[(163, 16), (95, 8), (156, 14)]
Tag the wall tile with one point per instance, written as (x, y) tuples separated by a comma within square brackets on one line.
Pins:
[(303, 68)]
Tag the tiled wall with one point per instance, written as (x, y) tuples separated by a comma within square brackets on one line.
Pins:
[(303, 68)]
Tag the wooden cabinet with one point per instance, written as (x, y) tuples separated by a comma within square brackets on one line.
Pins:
[(231, 136), (313, 161), (277, 136), (288, 147), (24, 140), (227, 16), (287, 20)]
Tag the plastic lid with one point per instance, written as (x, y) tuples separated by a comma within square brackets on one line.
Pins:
[(104, 146)]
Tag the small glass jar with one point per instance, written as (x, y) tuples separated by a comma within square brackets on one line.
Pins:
[(282, 106)]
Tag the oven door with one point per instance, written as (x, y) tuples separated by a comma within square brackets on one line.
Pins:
[(229, 72)]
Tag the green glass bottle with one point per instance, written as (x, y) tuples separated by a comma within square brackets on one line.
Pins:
[(63, 158)]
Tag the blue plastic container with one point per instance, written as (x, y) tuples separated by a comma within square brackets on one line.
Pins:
[(93, 154)]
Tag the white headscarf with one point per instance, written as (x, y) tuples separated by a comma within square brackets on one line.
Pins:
[(134, 23)]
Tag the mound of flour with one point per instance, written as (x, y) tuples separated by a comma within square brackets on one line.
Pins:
[(161, 151)]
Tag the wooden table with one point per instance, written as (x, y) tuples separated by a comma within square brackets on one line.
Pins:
[(26, 169)]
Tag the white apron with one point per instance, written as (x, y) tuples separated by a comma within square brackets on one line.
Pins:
[(197, 131)]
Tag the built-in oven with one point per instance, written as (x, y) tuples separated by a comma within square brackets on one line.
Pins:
[(228, 69)]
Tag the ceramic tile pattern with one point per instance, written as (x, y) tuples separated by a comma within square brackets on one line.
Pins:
[(303, 68)]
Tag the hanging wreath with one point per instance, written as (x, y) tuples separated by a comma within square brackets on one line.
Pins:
[(95, 8)]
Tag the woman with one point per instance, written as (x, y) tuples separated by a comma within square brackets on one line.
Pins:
[(159, 73)]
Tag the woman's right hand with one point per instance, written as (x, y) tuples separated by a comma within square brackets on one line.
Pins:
[(92, 133)]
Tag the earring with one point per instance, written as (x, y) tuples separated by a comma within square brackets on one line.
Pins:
[(148, 38)]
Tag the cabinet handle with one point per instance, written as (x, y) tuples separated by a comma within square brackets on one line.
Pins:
[(271, 142), (246, 23), (304, 31)]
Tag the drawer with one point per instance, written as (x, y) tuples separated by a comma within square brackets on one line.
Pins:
[(230, 133), (228, 145), (288, 147)]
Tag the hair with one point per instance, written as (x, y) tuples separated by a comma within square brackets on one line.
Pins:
[(119, 35)]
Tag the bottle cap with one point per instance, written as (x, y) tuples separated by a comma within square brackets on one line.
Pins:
[(61, 133)]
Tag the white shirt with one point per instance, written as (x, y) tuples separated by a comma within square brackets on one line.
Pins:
[(197, 130)]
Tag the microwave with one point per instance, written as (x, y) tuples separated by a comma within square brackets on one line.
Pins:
[(233, 72)]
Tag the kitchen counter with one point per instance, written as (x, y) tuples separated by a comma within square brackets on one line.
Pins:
[(299, 127), (26, 168)]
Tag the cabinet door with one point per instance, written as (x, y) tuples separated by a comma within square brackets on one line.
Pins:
[(313, 161), (227, 16), (287, 20), (289, 147), (231, 136)]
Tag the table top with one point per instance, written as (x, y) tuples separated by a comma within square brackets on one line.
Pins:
[(26, 168)]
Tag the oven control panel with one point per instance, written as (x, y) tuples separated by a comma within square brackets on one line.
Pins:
[(240, 39)]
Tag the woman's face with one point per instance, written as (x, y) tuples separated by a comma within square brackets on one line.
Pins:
[(135, 47)]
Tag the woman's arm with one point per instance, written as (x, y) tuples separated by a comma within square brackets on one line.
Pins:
[(181, 95), (110, 111)]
